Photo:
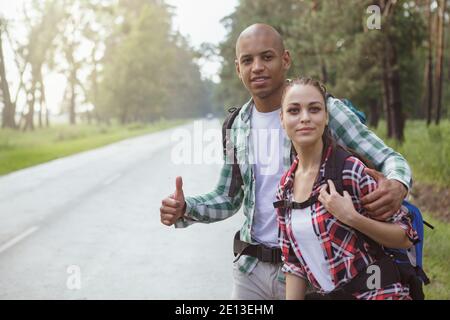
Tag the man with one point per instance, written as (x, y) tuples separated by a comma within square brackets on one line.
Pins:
[(262, 63)]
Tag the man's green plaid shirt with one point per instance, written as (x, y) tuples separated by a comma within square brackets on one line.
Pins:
[(346, 129)]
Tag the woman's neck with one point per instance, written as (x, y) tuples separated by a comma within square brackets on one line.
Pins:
[(310, 157)]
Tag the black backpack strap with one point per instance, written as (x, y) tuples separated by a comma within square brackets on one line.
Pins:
[(335, 166), (230, 150)]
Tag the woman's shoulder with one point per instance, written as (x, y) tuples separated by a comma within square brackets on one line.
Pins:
[(355, 164), (354, 174)]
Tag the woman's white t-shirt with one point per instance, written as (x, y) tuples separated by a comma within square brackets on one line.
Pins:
[(309, 244)]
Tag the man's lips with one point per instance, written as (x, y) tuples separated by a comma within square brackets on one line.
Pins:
[(259, 79)]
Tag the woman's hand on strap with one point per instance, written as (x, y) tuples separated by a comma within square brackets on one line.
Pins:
[(339, 206)]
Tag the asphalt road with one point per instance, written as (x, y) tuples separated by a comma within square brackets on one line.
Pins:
[(87, 226)]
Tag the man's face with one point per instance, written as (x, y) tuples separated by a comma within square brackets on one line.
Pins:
[(261, 65)]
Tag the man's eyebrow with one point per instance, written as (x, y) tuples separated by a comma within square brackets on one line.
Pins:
[(270, 51), (245, 56), (267, 51)]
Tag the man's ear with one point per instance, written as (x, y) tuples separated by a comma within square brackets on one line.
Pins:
[(238, 69), (287, 61)]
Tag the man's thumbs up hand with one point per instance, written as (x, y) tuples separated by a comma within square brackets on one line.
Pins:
[(179, 194), (174, 206)]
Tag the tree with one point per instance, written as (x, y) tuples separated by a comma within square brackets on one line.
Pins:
[(9, 109), (39, 51), (148, 72), (330, 40), (440, 56)]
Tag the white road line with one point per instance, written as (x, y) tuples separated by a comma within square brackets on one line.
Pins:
[(17, 239), (112, 179)]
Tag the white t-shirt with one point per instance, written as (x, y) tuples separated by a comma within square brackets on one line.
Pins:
[(267, 139), (309, 245)]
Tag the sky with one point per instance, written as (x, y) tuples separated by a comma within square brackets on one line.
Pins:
[(198, 20)]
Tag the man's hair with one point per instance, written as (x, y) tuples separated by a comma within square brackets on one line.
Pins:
[(260, 28)]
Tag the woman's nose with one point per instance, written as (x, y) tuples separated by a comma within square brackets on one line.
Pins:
[(304, 116)]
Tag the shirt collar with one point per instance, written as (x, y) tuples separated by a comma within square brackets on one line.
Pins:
[(247, 110)]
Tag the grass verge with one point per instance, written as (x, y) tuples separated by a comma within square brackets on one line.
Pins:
[(20, 150)]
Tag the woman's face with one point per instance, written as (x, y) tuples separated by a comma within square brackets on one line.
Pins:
[(303, 114)]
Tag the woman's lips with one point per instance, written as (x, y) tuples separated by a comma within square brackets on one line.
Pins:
[(305, 130)]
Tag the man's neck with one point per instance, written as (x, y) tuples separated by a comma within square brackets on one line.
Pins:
[(269, 104)]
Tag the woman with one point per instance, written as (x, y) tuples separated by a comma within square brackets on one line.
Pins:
[(322, 239)]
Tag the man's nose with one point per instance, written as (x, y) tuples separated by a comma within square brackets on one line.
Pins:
[(258, 65)]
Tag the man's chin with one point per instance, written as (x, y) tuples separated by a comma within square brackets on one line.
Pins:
[(262, 94)]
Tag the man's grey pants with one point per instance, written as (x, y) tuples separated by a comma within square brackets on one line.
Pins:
[(261, 284)]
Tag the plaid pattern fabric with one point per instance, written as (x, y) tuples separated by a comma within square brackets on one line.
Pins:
[(216, 205), (345, 253)]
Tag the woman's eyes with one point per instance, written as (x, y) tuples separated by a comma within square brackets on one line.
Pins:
[(310, 109)]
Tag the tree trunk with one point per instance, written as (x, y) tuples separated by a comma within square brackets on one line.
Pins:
[(440, 57), (29, 117), (374, 116), (398, 118), (391, 75), (387, 97), (72, 115), (430, 91), (40, 103), (43, 101), (392, 85), (9, 110)]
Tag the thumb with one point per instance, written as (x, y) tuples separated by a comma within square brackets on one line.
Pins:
[(374, 174), (179, 188), (347, 195)]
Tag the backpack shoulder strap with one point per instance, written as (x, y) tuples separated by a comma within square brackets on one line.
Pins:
[(227, 125), (335, 166), (230, 150)]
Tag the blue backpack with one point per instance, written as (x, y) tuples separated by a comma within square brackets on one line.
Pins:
[(409, 262)]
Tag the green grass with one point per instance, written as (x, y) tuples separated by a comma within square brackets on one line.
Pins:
[(19, 150), (426, 149), (436, 259)]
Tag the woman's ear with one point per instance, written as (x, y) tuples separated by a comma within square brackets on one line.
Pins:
[(281, 119)]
